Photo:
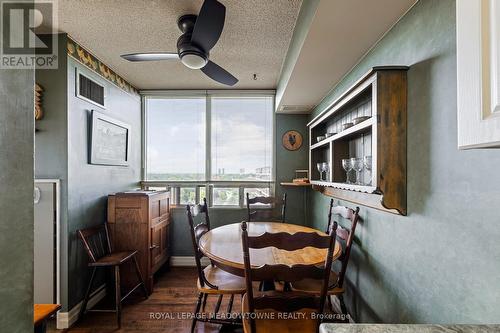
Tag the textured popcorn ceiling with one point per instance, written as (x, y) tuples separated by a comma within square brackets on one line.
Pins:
[(255, 39)]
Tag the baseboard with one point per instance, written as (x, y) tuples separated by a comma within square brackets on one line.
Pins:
[(67, 319), (185, 261)]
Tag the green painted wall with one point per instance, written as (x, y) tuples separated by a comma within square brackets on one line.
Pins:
[(61, 152), (286, 164), (89, 185), (441, 263), (16, 200)]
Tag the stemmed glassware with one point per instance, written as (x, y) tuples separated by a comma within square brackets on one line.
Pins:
[(326, 168), (367, 161), (320, 170), (323, 167), (357, 165), (346, 164)]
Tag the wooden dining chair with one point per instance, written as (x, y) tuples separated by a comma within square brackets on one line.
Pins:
[(265, 214), (98, 247), (286, 301), (211, 279), (346, 236)]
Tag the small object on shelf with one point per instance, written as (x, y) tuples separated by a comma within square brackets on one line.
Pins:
[(321, 138), (357, 165), (327, 135), (359, 120), (319, 166), (323, 167), (301, 177), (346, 164), (367, 161), (326, 169), (346, 126)]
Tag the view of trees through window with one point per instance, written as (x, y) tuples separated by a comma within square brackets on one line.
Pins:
[(237, 149)]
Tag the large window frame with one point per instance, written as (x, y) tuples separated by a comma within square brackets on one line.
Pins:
[(209, 185)]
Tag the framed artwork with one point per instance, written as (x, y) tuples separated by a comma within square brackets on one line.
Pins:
[(109, 140), (292, 140)]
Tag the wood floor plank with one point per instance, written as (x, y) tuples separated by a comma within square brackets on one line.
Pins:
[(165, 310)]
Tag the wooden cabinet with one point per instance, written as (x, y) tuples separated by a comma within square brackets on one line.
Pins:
[(140, 220), (366, 126)]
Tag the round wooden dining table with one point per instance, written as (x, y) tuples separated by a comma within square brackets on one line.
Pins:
[(222, 245)]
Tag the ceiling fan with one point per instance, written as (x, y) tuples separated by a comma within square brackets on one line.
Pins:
[(200, 34)]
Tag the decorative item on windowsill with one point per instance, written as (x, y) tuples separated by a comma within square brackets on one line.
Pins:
[(301, 177)]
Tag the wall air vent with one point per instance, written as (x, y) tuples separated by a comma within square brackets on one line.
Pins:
[(90, 90), (295, 109)]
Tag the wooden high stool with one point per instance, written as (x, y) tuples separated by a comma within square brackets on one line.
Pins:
[(98, 246)]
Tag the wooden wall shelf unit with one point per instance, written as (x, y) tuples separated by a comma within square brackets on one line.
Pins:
[(140, 220), (377, 104)]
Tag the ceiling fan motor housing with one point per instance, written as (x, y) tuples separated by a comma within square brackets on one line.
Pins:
[(191, 55)]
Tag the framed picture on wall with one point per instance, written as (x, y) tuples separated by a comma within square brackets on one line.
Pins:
[(109, 140)]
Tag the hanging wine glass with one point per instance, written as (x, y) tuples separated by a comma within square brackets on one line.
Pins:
[(346, 164)]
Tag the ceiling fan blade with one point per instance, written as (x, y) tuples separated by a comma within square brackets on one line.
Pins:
[(219, 74), (152, 56), (209, 24)]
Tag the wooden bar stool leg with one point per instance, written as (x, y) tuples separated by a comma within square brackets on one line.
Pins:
[(139, 276), (87, 294), (118, 297), (196, 310)]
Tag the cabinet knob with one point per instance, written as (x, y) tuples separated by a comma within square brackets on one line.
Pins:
[(154, 247)]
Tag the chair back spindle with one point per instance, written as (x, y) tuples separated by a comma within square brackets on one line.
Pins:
[(196, 233), (96, 241), (254, 215), (344, 234)]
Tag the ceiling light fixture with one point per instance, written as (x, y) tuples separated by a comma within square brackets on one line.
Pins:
[(193, 60)]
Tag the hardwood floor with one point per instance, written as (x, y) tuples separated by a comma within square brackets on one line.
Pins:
[(173, 299)]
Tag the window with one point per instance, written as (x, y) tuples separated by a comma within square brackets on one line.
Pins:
[(242, 134), (213, 146), (175, 140)]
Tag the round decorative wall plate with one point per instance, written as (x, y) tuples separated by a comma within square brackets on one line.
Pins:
[(292, 140)]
